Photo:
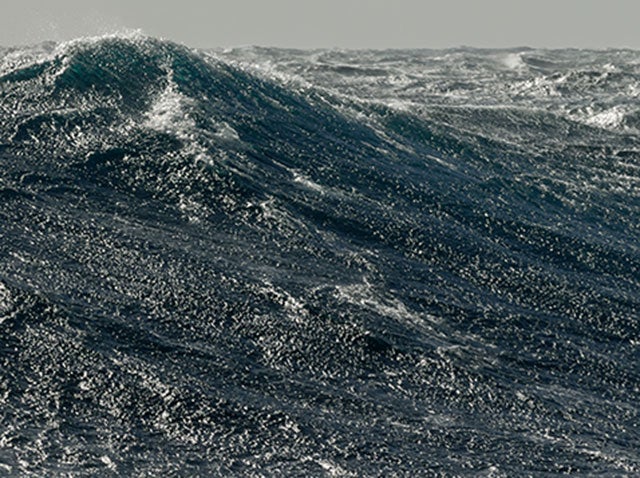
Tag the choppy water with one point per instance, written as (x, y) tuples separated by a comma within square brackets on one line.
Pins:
[(262, 262)]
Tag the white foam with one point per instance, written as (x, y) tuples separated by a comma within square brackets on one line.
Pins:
[(23, 57), (513, 61), (611, 118), (172, 113), (6, 302), (331, 468), (539, 87), (168, 113), (270, 211), (294, 307), (108, 462), (364, 295), (63, 51), (442, 162), (132, 34), (192, 209), (226, 132), (308, 183)]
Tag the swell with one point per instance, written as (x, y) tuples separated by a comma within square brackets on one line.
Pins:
[(277, 275), (193, 135)]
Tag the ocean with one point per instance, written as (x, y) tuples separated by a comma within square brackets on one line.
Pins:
[(269, 262)]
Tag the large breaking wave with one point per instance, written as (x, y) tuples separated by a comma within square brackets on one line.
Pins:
[(266, 262)]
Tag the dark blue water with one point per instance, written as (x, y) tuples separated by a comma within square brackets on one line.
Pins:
[(261, 262)]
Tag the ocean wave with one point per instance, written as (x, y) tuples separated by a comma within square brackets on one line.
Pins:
[(262, 261)]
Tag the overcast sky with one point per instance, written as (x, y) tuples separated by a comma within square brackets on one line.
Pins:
[(333, 23)]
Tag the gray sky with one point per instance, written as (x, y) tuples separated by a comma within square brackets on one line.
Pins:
[(333, 23)]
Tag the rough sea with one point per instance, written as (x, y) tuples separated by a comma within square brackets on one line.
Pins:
[(267, 262)]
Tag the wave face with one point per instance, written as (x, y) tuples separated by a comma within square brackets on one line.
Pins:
[(271, 262)]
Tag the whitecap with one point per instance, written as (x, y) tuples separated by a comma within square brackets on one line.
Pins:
[(132, 34), (168, 113), (513, 61), (364, 295), (610, 118), (308, 183)]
